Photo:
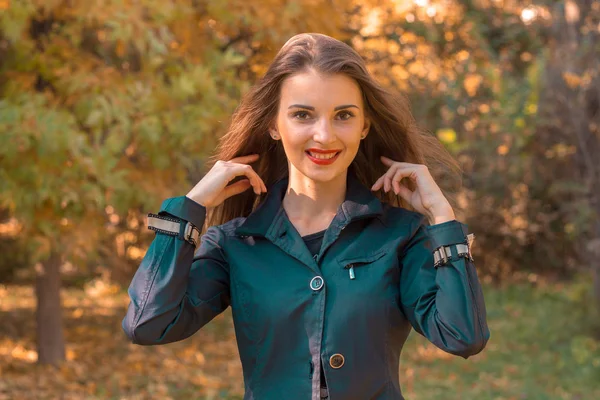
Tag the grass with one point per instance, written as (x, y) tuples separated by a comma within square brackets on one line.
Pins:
[(541, 347)]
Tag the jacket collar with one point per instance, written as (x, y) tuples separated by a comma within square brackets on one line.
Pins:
[(266, 219)]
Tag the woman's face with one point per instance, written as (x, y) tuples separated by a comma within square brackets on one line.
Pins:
[(320, 112)]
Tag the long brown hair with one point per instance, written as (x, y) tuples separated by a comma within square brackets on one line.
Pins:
[(393, 132)]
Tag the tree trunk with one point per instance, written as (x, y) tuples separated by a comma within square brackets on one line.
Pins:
[(50, 336)]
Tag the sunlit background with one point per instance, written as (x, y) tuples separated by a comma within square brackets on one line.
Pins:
[(109, 107)]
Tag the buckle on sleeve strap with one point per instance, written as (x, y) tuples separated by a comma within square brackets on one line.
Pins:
[(442, 254), (191, 234), (172, 227)]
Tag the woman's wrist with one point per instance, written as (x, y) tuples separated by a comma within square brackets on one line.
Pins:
[(441, 219), (440, 216)]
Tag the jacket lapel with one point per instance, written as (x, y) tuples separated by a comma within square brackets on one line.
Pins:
[(270, 220)]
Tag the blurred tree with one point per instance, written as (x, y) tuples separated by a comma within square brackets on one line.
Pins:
[(571, 128), (475, 72), (470, 70), (107, 108)]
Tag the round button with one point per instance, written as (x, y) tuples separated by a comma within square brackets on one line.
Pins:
[(316, 283), (336, 360)]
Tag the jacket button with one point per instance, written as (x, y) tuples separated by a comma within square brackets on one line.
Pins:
[(336, 361), (316, 283)]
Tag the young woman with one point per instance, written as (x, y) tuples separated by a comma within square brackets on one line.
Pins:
[(344, 243)]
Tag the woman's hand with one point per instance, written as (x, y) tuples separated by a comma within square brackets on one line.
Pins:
[(212, 189), (427, 199)]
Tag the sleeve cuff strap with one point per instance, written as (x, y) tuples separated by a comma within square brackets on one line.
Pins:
[(182, 229), (447, 233), (445, 253), (184, 208)]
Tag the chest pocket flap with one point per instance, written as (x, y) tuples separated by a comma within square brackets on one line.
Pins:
[(357, 260)]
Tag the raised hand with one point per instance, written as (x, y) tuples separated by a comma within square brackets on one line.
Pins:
[(427, 198), (212, 189)]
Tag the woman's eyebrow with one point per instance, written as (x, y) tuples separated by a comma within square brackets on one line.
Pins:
[(312, 108)]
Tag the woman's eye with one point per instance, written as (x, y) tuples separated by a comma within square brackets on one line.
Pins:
[(303, 115), (300, 115), (345, 115)]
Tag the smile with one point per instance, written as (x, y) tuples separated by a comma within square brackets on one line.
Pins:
[(322, 159)]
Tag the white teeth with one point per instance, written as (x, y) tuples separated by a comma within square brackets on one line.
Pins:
[(322, 156)]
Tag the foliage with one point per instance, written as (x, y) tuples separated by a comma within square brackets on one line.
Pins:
[(476, 73), (108, 108)]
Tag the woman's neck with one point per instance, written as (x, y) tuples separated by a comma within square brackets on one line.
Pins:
[(313, 204)]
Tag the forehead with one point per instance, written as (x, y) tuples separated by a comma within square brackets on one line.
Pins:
[(319, 90)]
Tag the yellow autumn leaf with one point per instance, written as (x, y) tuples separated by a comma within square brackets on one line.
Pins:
[(502, 149), (471, 83), (519, 123), (572, 80), (446, 135), (531, 108), (120, 48)]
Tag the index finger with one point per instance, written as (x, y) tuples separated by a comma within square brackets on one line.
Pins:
[(245, 159)]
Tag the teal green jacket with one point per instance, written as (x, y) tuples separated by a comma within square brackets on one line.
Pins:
[(352, 306)]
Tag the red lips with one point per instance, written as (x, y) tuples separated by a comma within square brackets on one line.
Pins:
[(320, 161)]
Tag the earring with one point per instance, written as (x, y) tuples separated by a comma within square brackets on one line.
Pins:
[(362, 136)]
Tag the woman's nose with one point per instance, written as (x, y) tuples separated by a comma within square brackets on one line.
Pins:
[(324, 132)]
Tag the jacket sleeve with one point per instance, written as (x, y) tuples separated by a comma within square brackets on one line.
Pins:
[(444, 304), (174, 293)]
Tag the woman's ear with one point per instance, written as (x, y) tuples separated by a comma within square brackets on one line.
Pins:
[(366, 127), (273, 131)]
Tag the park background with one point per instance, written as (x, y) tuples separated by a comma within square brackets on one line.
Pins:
[(109, 107)]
